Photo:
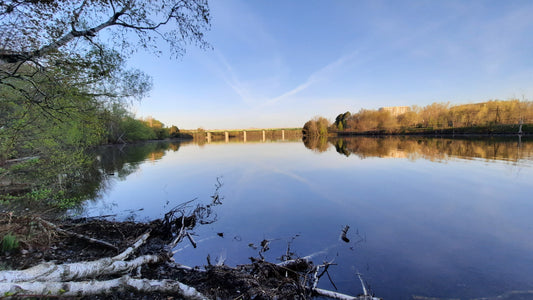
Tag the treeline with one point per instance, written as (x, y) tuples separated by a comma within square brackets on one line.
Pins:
[(46, 136), (72, 121), (130, 129), (437, 116), (494, 116)]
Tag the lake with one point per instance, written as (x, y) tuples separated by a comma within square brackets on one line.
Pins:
[(428, 217)]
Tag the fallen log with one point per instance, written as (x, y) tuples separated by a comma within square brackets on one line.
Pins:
[(76, 271), (96, 287)]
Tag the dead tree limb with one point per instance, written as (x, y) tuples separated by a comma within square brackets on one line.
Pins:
[(126, 253), (95, 287), (340, 296), (76, 271), (73, 271)]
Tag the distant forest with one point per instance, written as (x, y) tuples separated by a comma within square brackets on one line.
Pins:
[(496, 116)]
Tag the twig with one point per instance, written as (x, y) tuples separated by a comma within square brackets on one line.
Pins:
[(190, 239), (307, 258), (78, 235), (330, 280), (315, 278), (126, 253), (344, 233)]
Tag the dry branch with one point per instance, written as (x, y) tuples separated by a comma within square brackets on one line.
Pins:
[(78, 235)]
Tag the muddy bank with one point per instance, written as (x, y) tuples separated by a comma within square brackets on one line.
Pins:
[(85, 240)]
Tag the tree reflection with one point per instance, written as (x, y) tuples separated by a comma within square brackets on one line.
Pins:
[(434, 149), (316, 143), (113, 162)]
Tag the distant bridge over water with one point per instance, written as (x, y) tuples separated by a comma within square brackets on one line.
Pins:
[(246, 135)]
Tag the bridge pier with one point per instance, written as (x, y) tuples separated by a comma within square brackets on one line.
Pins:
[(259, 135)]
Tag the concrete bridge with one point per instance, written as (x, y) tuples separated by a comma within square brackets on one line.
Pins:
[(245, 135)]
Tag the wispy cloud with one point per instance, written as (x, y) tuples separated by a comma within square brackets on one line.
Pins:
[(230, 77), (323, 73)]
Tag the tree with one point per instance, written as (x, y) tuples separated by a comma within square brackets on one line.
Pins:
[(85, 43), (341, 120), (174, 131), (310, 128), (39, 30), (322, 124), (63, 58), (318, 126)]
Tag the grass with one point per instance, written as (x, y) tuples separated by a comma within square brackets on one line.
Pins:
[(9, 243)]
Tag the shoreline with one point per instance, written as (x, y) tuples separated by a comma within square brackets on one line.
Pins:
[(430, 134)]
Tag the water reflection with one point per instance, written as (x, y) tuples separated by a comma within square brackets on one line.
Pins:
[(122, 160), (456, 230), (433, 149)]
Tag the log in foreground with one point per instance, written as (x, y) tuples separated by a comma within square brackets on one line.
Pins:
[(97, 287)]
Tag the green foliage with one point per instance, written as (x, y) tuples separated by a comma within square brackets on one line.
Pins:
[(63, 93), (45, 196), (3, 266), (173, 131), (132, 129), (341, 120), (9, 243), (136, 130)]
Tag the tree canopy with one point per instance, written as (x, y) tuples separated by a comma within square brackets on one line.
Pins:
[(87, 42), (41, 30)]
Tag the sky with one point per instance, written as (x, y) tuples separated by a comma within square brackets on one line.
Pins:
[(280, 63)]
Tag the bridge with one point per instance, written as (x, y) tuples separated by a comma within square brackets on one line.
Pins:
[(245, 135)]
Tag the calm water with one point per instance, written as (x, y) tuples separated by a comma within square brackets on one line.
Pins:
[(428, 217)]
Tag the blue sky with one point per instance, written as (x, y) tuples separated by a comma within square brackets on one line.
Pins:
[(280, 63)]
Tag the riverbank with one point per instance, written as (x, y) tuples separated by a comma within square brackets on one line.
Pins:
[(40, 243), (98, 249), (485, 131)]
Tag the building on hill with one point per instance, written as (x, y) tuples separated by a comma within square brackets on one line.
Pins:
[(396, 110)]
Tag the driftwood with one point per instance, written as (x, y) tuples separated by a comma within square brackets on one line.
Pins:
[(70, 279), (340, 296), (154, 250), (96, 287)]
